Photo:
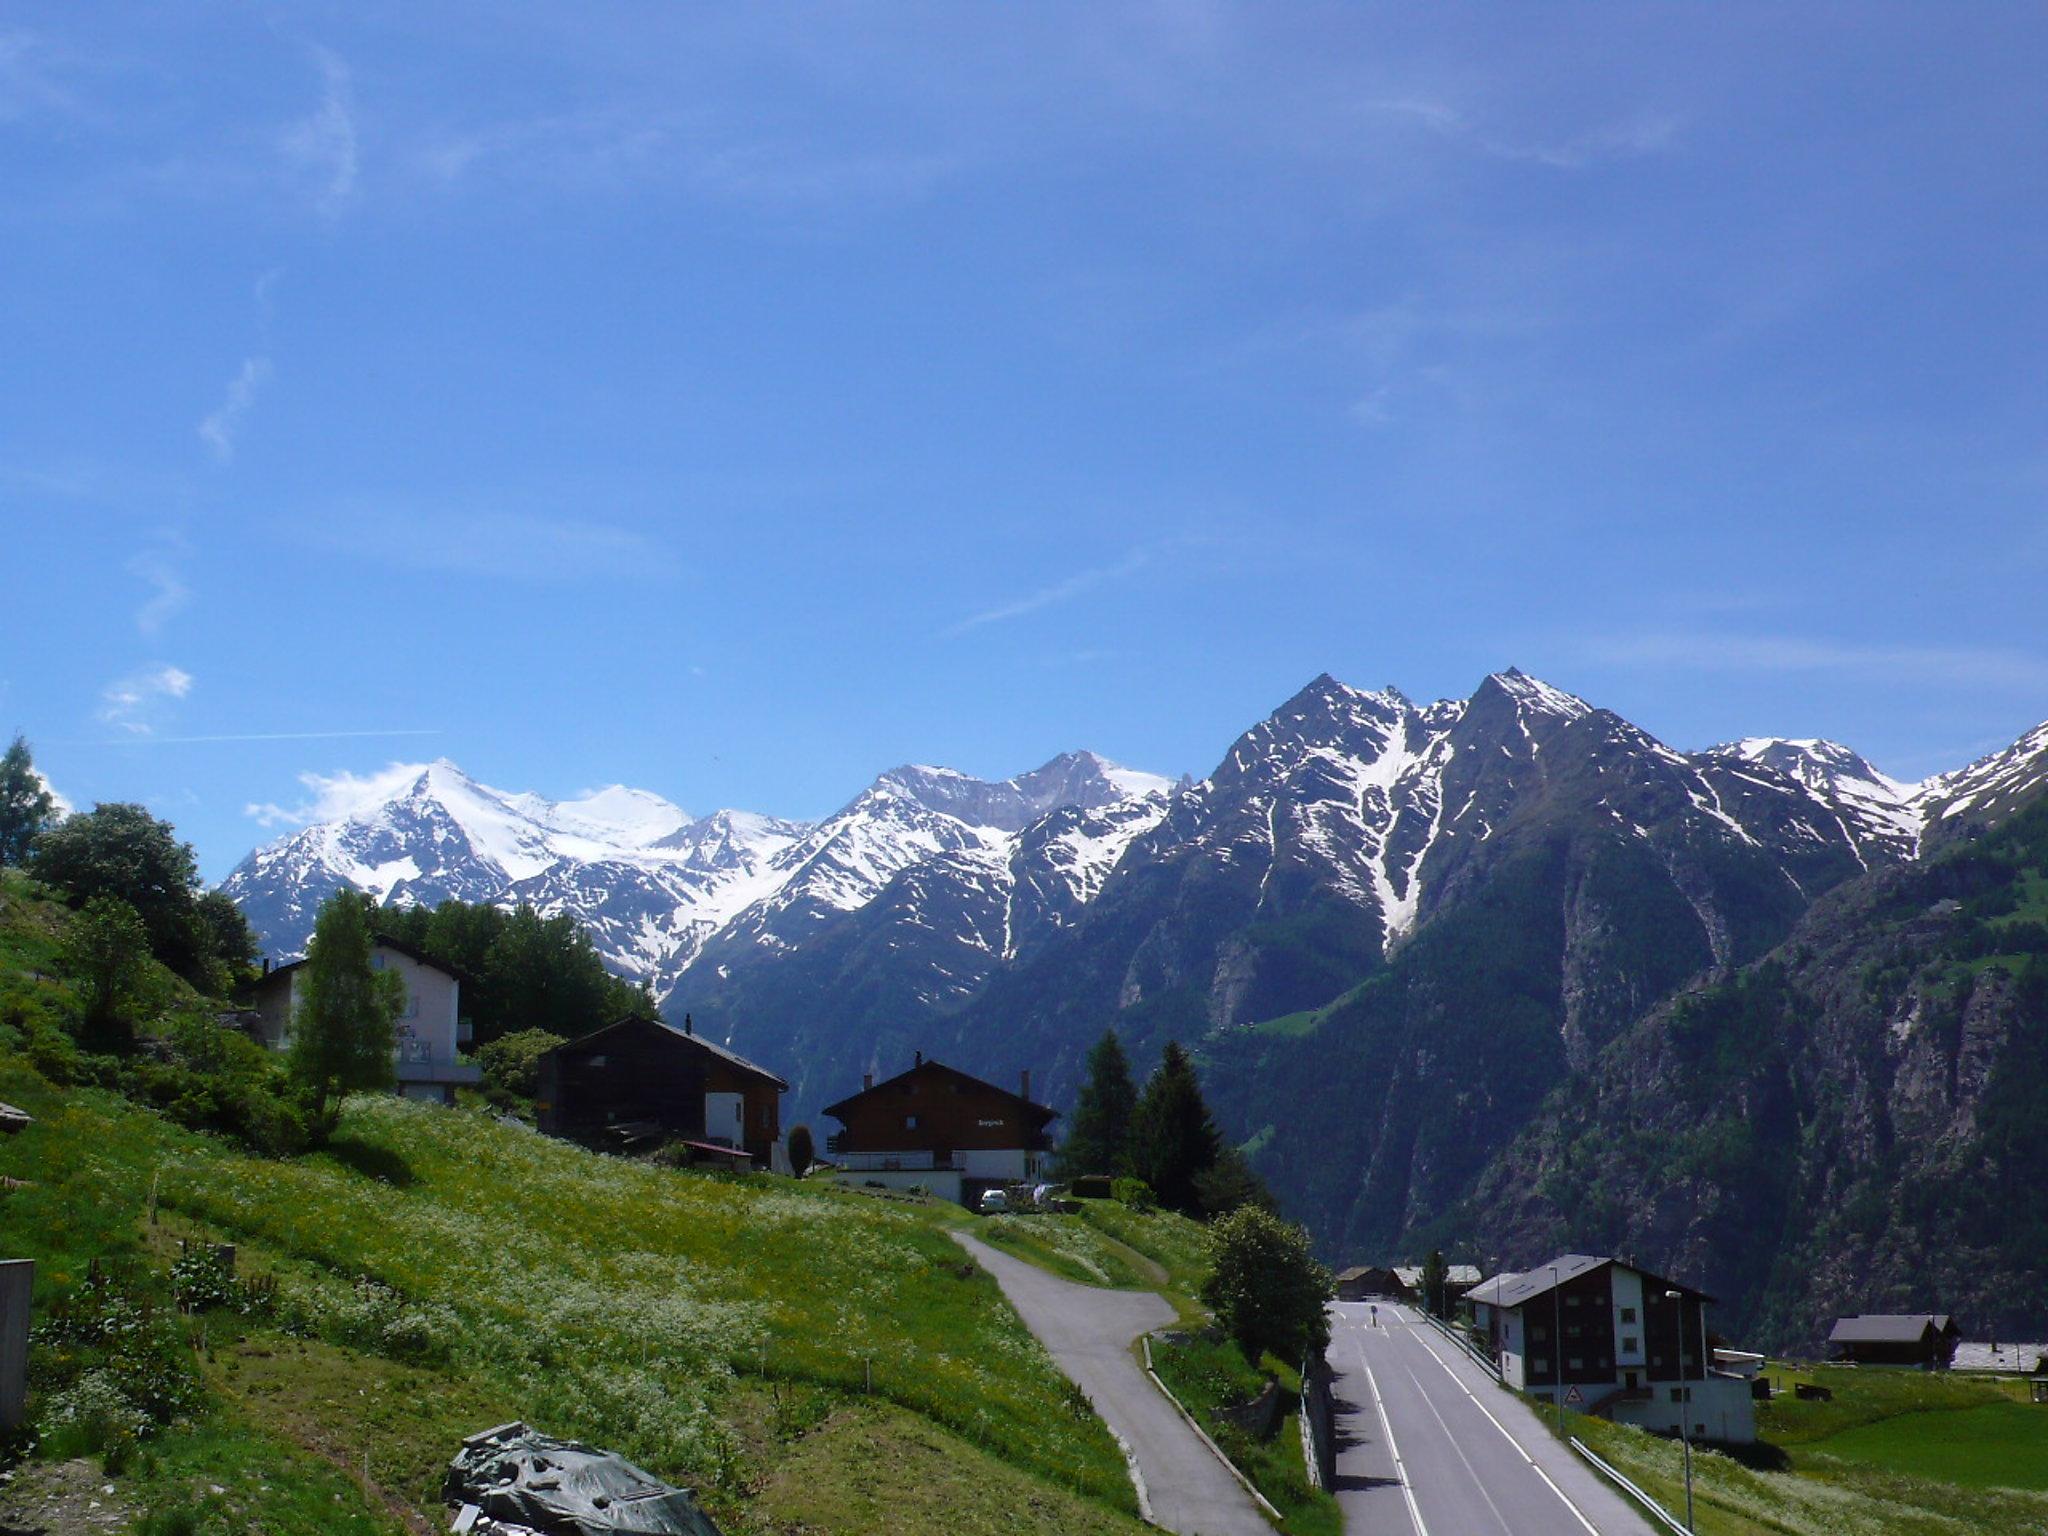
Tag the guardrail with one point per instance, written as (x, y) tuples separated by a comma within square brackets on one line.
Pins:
[(1657, 1511), (1491, 1367)]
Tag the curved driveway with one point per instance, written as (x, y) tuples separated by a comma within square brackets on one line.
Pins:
[(1089, 1331)]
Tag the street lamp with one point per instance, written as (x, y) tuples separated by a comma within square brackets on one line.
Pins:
[(1677, 1300)]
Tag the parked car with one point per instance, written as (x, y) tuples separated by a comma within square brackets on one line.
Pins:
[(993, 1202)]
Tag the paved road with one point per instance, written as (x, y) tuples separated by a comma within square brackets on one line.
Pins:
[(1089, 1332), (1429, 1445)]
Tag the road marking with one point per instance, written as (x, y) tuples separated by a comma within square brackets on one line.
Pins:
[(1472, 1476), (1577, 1513), (1400, 1467)]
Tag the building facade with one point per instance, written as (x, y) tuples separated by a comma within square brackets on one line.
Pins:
[(1612, 1339), (429, 1028), (645, 1078), (1921, 1341), (938, 1129)]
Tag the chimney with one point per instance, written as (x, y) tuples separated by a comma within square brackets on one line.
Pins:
[(867, 1081), (920, 1060), (266, 965), (688, 1027), (1024, 1090)]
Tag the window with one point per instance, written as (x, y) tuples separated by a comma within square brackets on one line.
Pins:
[(910, 1122), (1539, 1366), (1677, 1396), (597, 1061), (1628, 1346), (1575, 1362), (1628, 1315), (1538, 1334)]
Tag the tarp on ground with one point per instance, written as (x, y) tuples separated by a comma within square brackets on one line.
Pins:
[(520, 1480)]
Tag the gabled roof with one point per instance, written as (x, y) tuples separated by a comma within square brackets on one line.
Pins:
[(1539, 1281), (641, 1020), (1487, 1292), (411, 952), (1037, 1113), (1888, 1327)]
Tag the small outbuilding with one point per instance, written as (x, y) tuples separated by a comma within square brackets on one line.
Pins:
[(1363, 1282), (1924, 1341), (645, 1078)]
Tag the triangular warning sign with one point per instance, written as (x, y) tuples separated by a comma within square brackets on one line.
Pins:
[(1572, 1398)]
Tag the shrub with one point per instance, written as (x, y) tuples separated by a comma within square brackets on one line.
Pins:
[(802, 1151), (1265, 1286), (1135, 1193), (511, 1065)]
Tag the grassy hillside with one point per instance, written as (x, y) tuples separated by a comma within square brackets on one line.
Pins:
[(434, 1271), (1894, 1454)]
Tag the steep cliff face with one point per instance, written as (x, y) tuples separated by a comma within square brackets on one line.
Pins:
[(1859, 1122)]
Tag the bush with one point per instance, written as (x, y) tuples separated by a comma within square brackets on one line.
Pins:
[(110, 1367), (1135, 1193), (511, 1065), (802, 1150), (1265, 1286)]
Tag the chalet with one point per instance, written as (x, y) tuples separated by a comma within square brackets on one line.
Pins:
[(1614, 1340), (642, 1078), (430, 1030), (1362, 1282), (1458, 1279), (939, 1129), (1923, 1341)]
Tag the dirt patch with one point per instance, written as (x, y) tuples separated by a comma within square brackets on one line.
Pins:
[(61, 1498)]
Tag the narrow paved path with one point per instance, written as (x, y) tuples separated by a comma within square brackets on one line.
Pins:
[(1429, 1445), (1089, 1332)]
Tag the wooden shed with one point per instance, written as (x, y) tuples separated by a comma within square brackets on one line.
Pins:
[(644, 1076)]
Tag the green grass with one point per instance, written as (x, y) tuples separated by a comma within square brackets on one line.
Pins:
[(1070, 1247), (1896, 1453), (1176, 1248), (1208, 1376), (705, 1326)]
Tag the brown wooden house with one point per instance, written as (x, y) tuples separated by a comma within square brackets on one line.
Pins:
[(642, 1079), (1922, 1340), (937, 1128)]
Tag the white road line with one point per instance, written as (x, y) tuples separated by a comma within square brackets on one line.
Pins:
[(1400, 1467), (1472, 1476), (1578, 1514)]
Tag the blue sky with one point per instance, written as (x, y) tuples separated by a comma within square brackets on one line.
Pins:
[(737, 401)]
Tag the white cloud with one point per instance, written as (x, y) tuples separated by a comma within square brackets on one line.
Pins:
[(333, 796), (62, 806), (1059, 592), (1627, 139), (1958, 666), (136, 702), (169, 594), (513, 546), (323, 144), (218, 431)]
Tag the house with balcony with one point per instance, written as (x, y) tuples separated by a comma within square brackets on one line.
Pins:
[(936, 1128), (1611, 1338), (643, 1079), (429, 1029)]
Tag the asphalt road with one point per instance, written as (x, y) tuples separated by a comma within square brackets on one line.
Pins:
[(1429, 1445), (1089, 1332)]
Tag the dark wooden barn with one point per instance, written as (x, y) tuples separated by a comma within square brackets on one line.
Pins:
[(643, 1079), (1922, 1340)]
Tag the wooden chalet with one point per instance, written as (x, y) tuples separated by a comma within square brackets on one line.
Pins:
[(642, 1079), (936, 1128), (1923, 1341)]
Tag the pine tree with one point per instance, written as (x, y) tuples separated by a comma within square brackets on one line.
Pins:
[(26, 804), (344, 1028), (1099, 1134), (1173, 1139)]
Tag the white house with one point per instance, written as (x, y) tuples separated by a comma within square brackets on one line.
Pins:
[(1615, 1340), (429, 1028)]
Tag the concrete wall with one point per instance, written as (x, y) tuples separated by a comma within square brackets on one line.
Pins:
[(1720, 1408)]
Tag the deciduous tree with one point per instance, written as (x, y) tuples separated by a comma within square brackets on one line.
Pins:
[(1265, 1286), (106, 953), (344, 1026)]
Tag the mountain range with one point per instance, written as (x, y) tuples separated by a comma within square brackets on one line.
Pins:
[(1400, 935)]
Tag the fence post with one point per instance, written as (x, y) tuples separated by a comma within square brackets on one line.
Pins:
[(17, 1284)]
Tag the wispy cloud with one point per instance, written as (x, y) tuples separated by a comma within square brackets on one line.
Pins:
[(1061, 591), (512, 546), (137, 702), (1955, 666), (322, 146), (221, 426), (187, 741), (27, 78), (332, 796), (1627, 139), (168, 592)]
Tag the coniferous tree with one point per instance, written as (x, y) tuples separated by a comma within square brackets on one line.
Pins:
[(344, 1033), (26, 804), (1173, 1139), (1099, 1134)]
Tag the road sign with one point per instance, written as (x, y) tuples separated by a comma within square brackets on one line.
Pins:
[(1572, 1397)]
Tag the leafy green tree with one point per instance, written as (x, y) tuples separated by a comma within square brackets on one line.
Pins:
[(344, 1029), (122, 851), (1232, 1182), (227, 937), (802, 1150), (106, 953), (1436, 1277), (1265, 1286), (1174, 1141), (511, 1064), (1099, 1133), (26, 804)]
